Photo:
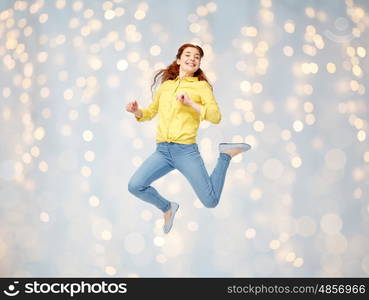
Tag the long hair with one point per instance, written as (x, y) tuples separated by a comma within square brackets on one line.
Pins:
[(172, 71)]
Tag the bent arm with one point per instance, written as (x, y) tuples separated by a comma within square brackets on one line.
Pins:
[(209, 109), (150, 112), (195, 106)]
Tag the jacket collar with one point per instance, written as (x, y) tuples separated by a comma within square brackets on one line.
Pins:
[(188, 78)]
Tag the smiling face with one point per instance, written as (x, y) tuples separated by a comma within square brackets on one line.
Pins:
[(189, 62)]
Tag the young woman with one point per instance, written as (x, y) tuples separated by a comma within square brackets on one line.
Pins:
[(183, 99)]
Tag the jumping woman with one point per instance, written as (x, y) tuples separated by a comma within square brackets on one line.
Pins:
[(183, 99)]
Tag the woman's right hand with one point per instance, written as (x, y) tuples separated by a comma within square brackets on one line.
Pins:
[(132, 107)]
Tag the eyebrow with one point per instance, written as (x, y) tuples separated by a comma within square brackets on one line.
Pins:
[(189, 52)]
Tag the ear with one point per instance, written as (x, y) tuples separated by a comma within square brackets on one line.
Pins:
[(178, 62)]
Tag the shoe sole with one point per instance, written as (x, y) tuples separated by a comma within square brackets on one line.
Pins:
[(228, 146)]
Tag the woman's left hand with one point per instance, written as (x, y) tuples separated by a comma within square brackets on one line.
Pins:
[(184, 98)]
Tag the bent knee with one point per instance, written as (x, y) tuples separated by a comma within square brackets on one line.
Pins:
[(134, 187), (210, 202), (210, 205)]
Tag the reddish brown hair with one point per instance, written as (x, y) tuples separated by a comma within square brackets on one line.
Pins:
[(172, 71)]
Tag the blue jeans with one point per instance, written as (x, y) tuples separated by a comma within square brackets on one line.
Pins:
[(187, 160)]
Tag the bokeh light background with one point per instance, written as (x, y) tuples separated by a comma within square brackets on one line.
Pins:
[(290, 78)]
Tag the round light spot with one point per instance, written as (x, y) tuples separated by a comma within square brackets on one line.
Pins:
[(361, 136), (44, 92), (250, 233), (286, 135), (274, 244), (101, 228), (289, 26), (155, 50), (87, 135), (257, 87), (94, 62), (122, 65), (159, 241), (288, 51), (94, 110), (258, 126), (331, 68), (89, 156), (309, 119), (366, 156), (298, 126), (140, 14), (44, 217), (298, 262), (290, 257), (43, 166), (296, 162), (134, 57), (361, 51), (106, 235), (94, 201), (245, 86), (195, 28), (110, 270), (109, 14), (86, 171), (39, 133), (256, 194)]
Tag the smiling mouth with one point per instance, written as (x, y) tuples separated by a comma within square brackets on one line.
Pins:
[(191, 65)]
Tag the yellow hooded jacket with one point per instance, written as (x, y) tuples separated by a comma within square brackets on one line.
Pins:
[(178, 123)]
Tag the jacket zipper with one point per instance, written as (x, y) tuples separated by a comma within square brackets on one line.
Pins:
[(171, 104)]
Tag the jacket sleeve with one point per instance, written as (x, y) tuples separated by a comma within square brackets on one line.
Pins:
[(209, 107), (152, 110)]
